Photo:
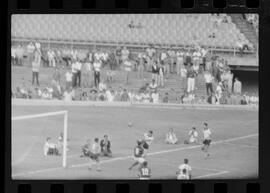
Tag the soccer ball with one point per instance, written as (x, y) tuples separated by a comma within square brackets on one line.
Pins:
[(130, 124)]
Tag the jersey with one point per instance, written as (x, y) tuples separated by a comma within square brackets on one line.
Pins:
[(182, 177), (207, 134), (95, 148), (148, 139), (138, 151), (185, 166), (193, 136), (145, 173)]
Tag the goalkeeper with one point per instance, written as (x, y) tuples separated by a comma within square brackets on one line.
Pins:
[(50, 148)]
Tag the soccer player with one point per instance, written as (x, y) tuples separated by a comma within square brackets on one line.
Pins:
[(206, 139), (183, 175), (94, 155), (185, 166), (138, 155), (193, 136), (171, 137), (145, 172), (50, 148), (148, 138), (86, 149), (105, 146), (61, 140)]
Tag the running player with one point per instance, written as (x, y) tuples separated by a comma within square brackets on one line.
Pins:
[(145, 172), (94, 155), (206, 139), (186, 167), (138, 155), (148, 138)]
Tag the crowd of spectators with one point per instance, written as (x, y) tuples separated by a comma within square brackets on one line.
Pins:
[(80, 67), (252, 19)]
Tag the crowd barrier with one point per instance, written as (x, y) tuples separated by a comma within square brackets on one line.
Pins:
[(38, 102)]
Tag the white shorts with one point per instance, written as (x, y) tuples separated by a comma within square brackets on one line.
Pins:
[(139, 159), (190, 84)]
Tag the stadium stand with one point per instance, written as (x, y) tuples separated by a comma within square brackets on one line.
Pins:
[(188, 29)]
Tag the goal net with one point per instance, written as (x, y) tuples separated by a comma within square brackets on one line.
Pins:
[(29, 136)]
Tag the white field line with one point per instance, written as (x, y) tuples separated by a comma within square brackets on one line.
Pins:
[(128, 157), (213, 174)]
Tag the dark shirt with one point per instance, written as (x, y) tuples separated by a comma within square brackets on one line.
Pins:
[(105, 147)]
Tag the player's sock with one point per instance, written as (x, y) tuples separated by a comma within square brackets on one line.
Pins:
[(136, 163)]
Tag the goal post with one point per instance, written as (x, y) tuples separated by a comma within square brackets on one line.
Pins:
[(65, 130)]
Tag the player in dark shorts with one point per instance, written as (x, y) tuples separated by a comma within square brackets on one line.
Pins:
[(145, 172), (206, 139), (138, 155)]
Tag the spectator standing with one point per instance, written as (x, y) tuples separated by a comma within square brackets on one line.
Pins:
[(125, 96), (141, 68), (196, 58), (160, 79), (74, 73), (179, 61), (153, 85), (128, 68), (219, 92), (79, 68), (57, 75), (208, 81), (69, 79), (97, 68), (155, 71), (190, 79), (237, 87), (51, 58), (124, 54), (155, 96), (171, 54), (203, 54), (36, 64)]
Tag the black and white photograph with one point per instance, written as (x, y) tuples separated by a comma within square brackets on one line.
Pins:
[(134, 96)]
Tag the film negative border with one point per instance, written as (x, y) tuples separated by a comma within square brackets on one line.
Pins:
[(220, 186)]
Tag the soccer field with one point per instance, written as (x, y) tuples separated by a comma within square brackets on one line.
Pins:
[(233, 152)]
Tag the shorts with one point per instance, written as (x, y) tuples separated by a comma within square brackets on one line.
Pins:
[(145, 146), (94, 156), (139, 159), (207, 141), (144, 178)]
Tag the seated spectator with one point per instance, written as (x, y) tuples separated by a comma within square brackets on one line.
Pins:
[(69, 94), (110, 95), (155, 96), (138, 97), (102, 95), (211, 99), (102, 86), (166, 98), (105, 146), (153, 85), (118, 95), (145, 97), (84, 96), (45, 94), (144, 88), (171, 137), (93, 95), (124, 96)]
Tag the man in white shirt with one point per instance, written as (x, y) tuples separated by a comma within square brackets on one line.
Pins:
[(171, 137), (50, 148), (36, 64), (97, 68), (94, 154), (179, 61), (193, 136), (128, 68), (69, 95), (124, 54), (68, 77), (206, 139), (208, 81), (219, 92), (196, 58), (203, 54), (171, 54), (184, 166), (155, 96)]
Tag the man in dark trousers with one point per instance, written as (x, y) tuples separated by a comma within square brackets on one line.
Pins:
[(105, 146)]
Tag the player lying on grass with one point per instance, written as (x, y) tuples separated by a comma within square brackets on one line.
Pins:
[(50, 148), (171, 137), (145, 172), (193, 136), (138, 155), (183, 166), (105, 146), (148, 138), (92, 152), (206, 139)]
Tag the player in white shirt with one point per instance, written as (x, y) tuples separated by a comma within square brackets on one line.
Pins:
[(50, 148), (184, 166), (183, 175), (94, 153), (206, 139), (193, 136), (148, 138)]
